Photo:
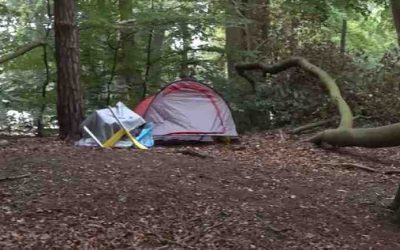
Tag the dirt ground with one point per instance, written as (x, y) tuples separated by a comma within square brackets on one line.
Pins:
[(269, 191)]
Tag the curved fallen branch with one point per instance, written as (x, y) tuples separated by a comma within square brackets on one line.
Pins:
[(346, 116), (312, 125), (361, 167), (378, 137), (344, 135)]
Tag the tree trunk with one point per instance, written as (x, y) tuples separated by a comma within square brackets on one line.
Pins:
[(235, 42), (154, 54), (128, 75), (395, 5), (258, 28), (250, 37), (47, 27), (343, 37), (186, 40), (69, 95), (155, 69), (395, 205), (40, 124)]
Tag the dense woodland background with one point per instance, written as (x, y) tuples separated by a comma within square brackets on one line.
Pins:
[(132, 48)]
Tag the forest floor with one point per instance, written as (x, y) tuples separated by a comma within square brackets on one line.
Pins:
[(269, 191)]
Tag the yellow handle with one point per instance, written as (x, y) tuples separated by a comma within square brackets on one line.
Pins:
[(114, 139), (134, 141)]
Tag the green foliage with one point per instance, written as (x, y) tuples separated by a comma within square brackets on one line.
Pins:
[(191, 34)]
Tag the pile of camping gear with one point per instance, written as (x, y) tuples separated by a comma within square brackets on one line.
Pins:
[(182, 111)]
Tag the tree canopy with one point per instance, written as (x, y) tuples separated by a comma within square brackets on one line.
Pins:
[(132, 48)]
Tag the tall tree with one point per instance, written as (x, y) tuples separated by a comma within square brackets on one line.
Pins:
[(234, 37), (155, 42), (343, 36), (258, 28), (186, 41), (395, 4), (69, 95), (247, 31), (155, 66), (129, 75)]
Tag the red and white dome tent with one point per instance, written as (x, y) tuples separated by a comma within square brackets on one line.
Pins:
[(186, 110)]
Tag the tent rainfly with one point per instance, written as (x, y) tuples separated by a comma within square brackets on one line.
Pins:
[(187, 111)]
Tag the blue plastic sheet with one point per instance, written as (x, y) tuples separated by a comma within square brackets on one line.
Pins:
[(146, 135)]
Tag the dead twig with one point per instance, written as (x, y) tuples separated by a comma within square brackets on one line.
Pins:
[(362, 167), (166, 242), (194, 153), (389, 172), (277, 230), (358, 166), (312, 125), (9, 178), (197, 236)]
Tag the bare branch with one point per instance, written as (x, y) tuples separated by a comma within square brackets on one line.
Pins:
[(21, 50)]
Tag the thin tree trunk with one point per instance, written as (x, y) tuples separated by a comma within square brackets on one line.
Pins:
[(343, 37), (47, 28), (186, 39), (112, 76), (69, 94), (395, 5), (129, 76), (155, 69), (154, 54), (40, 125)]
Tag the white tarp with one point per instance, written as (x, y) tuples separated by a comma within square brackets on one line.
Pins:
[(103, 125)]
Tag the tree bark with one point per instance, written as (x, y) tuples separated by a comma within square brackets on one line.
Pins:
[(395, 5), (69, 94)]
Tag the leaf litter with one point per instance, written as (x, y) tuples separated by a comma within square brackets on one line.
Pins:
[(269, 191)]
